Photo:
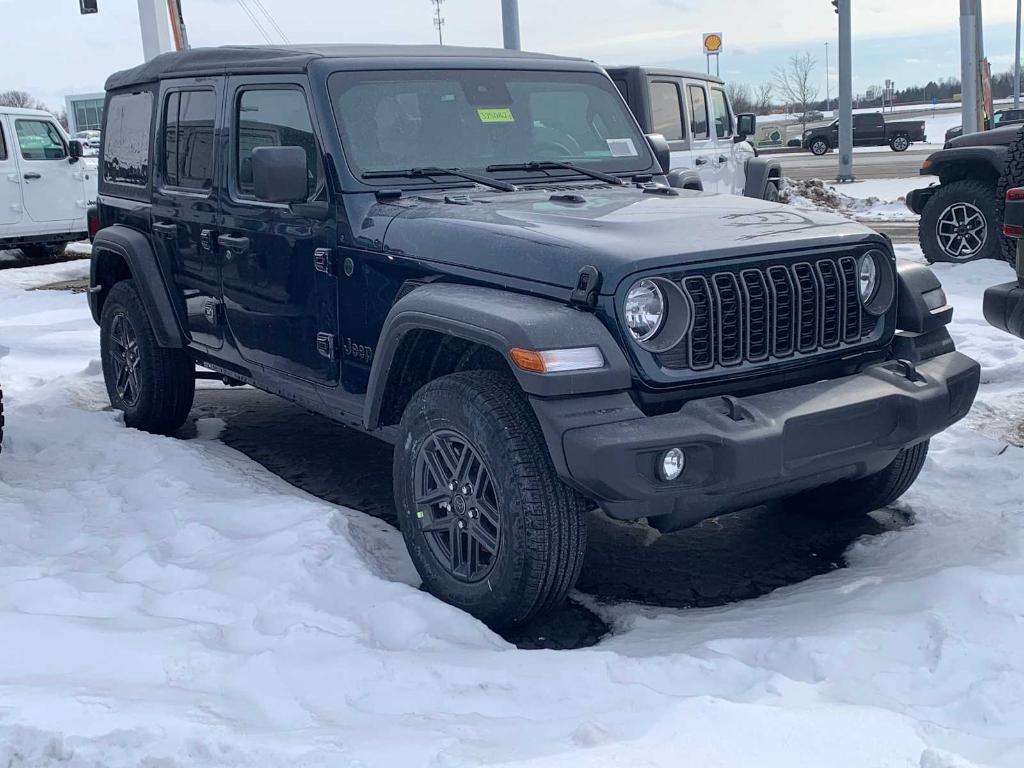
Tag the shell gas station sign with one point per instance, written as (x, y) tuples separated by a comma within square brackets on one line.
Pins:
[(712, 43)]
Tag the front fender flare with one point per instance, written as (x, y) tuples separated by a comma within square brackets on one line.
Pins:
[(759, 170), (500, 320), (135, 250)]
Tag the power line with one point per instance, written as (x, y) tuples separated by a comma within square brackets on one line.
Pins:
[(272, 20), (255, 21)]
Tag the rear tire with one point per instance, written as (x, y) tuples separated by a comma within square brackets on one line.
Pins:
[(1012, 176), (961, 202), (153, 386), (820, 147), (849, 497), (472, 474), (899, 144), (771, 191)]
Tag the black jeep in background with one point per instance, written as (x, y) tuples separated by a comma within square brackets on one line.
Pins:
[(962, 215), (869, 130), (474, 255)]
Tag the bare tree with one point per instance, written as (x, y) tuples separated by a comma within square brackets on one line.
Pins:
[(22, 99), (739, 97), (763, 97), (796, 83)]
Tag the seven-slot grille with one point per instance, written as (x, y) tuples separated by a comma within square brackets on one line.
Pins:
[(757, 314)]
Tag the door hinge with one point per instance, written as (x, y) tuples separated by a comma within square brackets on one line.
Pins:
[(588, 283), (323, 261), (327, 345)]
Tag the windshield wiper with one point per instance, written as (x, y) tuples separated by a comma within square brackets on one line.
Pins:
[(420, 173), (543, 165)]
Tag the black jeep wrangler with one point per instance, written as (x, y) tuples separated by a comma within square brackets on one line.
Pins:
[(473, 255)]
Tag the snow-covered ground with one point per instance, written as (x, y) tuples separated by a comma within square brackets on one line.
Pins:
[(869, 200), (169, 603)]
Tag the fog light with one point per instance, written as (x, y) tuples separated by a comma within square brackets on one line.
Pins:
[(672, 464)]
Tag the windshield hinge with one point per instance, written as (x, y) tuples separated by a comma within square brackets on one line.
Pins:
[(588, 283)]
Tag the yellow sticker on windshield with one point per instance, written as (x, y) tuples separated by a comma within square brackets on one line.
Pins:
[(502, 115)]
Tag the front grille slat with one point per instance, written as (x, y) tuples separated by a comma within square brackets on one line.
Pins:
[(773, 312)]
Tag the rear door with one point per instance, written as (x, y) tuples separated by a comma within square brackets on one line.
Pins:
[(668, 117), (279, 281), (10, 181), (868, 130), (50, 188), (703, 144), (732, 155), (186, 202)]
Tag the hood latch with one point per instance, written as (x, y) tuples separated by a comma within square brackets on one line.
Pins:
[(588, 283)]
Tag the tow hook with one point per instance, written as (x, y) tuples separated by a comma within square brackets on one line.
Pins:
[(909, 371)]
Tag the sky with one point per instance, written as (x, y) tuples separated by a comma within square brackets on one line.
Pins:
[(50, 50)]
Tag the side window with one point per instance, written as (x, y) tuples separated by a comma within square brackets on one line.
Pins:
[(667, 110), (698, 111), (40, 140), (127, 121), (723, 116), (3, 144), (187, 159), (274, 117)]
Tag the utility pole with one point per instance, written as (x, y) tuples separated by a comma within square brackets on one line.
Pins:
[(510, 23), (828, 95), (1016, 64), (845, 90), (969, 65), (155, 24), (438, 20)]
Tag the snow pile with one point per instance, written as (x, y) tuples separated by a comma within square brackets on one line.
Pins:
[(875, 200), (168, 603)]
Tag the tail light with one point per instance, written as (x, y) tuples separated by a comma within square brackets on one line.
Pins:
[(92, 218)]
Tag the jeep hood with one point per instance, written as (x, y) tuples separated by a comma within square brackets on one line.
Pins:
[(548, 236)]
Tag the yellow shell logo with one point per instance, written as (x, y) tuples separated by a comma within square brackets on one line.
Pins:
[(713, 43)]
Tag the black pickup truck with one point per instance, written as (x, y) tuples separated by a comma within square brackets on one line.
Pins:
[(869, 130)]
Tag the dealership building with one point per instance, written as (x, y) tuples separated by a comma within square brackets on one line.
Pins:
[(85, 112)]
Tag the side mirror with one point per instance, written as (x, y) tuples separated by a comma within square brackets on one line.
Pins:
[(746, 125), (662, 151), (279, 174), (75, 149)]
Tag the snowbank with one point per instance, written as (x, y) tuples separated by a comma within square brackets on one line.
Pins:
[(872, 200), (168, 603)]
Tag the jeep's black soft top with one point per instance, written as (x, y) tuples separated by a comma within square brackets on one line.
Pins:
[(254, 59)]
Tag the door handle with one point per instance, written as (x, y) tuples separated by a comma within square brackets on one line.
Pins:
[(233, 245), (166, 229), (701, 161), (32, 175), (723, 159)]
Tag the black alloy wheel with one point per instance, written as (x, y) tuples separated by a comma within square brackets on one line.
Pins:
[(457, 506)]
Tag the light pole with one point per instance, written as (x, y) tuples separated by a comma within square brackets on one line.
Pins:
[(510, 23), (1016, 64), (828, 95), (845, 91), (438, 21), (969, 65)]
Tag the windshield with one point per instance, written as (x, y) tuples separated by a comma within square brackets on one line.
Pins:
[(472, 119)]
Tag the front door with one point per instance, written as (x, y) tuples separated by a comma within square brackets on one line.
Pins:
[(50, 189), (10, 180), (732, 155), (279, 277), (703, 145), (186, 203)]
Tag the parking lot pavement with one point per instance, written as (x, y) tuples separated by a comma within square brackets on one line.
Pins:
[(880, 164), (736, 557)]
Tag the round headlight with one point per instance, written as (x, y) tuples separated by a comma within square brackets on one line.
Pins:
[(868, 278), (644, 310)]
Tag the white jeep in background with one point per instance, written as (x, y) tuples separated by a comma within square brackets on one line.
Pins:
[(45, 185)]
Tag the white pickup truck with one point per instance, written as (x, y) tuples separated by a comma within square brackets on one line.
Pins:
[(46, 186)]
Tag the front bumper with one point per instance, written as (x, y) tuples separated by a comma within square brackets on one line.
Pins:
[(741, 452)]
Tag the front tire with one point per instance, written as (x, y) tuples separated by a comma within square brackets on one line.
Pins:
[(851, 497), (899, 144), (489, 525), (961, 223), (819, 147), (153, 386)]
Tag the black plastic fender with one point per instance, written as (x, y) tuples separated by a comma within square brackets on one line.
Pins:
[(685, 178), (758, 171), (137, 252), (952, 161), (502, 321), (921, 304)]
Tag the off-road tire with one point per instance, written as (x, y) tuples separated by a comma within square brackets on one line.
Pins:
[(1012, 176), (820, 147), (166, 377), (542, 526), (771, 191), (977, 193), (47, 251), (899, 143), (849, 497)]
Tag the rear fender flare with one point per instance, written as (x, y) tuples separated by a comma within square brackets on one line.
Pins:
[(759, 172)]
